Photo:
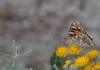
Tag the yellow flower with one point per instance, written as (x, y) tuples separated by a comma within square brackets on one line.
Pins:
[(89, 67), (92, 54), (82, 61), (67, 62), (97, 66), (62, 51), (64, 66), (75, 50)]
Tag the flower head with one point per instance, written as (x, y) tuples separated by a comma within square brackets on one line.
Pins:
[(92, 54), (68, 61), (75, 50), (89, 67), (97, 66), (62, 51), (82, 61)]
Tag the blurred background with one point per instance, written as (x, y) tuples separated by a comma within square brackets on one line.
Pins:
[(42, 24)]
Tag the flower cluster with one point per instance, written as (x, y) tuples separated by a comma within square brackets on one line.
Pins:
[(87, 61), (64, 51), (77, 58)]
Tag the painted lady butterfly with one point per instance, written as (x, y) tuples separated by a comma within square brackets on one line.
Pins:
[(78, 36)]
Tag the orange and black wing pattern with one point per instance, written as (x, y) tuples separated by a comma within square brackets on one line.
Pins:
[(77, 32)]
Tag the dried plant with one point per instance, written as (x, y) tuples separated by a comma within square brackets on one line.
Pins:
[(13, 61)]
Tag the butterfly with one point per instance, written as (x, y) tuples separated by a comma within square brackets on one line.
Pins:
[(78, 36)]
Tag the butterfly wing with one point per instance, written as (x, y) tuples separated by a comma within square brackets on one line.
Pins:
[(78, 35)]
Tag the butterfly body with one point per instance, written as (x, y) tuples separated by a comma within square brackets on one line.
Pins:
[(78, 36)]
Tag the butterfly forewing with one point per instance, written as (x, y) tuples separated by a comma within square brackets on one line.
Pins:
[(78, 35)]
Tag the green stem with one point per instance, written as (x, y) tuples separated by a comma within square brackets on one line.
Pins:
[(55, 67)]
